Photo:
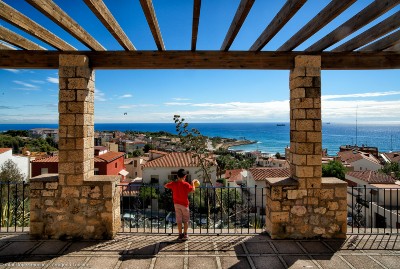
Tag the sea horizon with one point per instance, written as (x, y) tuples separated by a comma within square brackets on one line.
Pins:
[(270, 137)]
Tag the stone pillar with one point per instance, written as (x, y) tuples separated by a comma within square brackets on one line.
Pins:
[(75, 203), (305, 205)]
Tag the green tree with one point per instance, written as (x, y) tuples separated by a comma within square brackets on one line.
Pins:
[(391, 169), (278, 155), (9, 172), (334, 169), (147, 193), (147, 148)]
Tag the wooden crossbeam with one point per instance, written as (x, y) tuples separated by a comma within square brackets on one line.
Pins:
[(393, 48), (201, 60), (282, 17), (375, 32), (195, 25), (148, 9), (4, 46), (107, 19), (237, 22), (21, 21), (362, 18), (384, 43), (325, 16), (57, 15), (18, 40)]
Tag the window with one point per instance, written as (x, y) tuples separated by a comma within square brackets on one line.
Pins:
[(135, 163), (96, 171), (154, 179), (116, 165), (44, 171)]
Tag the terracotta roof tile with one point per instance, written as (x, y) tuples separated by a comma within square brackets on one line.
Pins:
[(2, 150), (393, 156), (262, 173), (372, 177), (233, 174), (174, 159), (110, 156), (51, 159), (353, 156)]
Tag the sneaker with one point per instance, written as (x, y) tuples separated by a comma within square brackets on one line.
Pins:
[(185, 237), (180, 237)]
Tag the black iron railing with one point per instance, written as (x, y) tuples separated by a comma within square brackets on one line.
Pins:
[(14, 206), (216, 210), (373, 210)]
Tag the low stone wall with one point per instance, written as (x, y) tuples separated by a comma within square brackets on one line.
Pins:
[(88, 211), (306, 213)]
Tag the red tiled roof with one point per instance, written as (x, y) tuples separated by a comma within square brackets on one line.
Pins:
[(110, 156), (233, 174), (174, 159), (2, 150), (393, 156), (106, 157), (262, 173), (352, 156), (372, 177), (158, 152)]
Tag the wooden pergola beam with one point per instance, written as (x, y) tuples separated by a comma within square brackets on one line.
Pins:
[(148, 9), (375, 32), (18, 40), (237, 22), (195, 24), (325, 16), (21, 21), (384, 43), (393, 48), (57, 15), (4, 46), (282, 17), (362, 18), (107, 19), (201, 60)]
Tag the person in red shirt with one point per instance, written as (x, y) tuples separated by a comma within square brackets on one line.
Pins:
[(180, 190)]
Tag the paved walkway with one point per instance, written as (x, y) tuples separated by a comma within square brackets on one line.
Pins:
[(200, 251)]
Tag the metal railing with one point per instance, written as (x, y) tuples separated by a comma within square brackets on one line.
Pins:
[(373, 210), (213, 210), (14, 206)]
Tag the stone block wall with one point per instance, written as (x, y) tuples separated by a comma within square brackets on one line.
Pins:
[(289, 213), (90, 211), (304, 205), (75, 203)]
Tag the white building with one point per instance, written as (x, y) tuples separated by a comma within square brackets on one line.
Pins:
[(378, 195), (361, 161), (22, 162)]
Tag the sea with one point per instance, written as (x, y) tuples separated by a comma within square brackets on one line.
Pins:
[(268, 137)]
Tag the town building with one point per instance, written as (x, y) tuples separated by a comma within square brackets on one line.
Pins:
[(22, 162), (359, 160)]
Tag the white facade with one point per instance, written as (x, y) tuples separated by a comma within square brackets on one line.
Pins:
[(365, 165), (22, 162)]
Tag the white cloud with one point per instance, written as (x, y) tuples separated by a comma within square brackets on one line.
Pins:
[(125, 96), (12, 70), (52, 80), (37, 81), (177, 104), (359, 95), (99, 95), (25, 84), (180, 99), (127, 106)]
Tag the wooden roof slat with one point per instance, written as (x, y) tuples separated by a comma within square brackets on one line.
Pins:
[(4, 46), (365, 16), (21, 21), (325, 16), (18, 40), (282, 17), (201, 60), (237, 22), (107, 19), (195, 25), (383, 43), (393, 48), (148, 9), (375, 32), (57, 15)]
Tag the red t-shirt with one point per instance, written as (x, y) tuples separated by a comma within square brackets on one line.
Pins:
[(180, 190)]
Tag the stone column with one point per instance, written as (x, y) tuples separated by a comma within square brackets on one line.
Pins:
[(305, 205), (76, 120), (305, 122), (75, 204)]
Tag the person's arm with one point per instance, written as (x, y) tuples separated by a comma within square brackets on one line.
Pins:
[(168, 185)]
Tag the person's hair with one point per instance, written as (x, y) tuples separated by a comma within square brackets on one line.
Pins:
[(181, 173)]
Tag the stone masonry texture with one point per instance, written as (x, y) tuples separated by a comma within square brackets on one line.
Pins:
[(75, 203), (305, 206)]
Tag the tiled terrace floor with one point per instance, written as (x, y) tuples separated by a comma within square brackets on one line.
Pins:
[(200, 251)]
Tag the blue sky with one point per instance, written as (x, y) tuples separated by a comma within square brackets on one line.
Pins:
[(31, 96)]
